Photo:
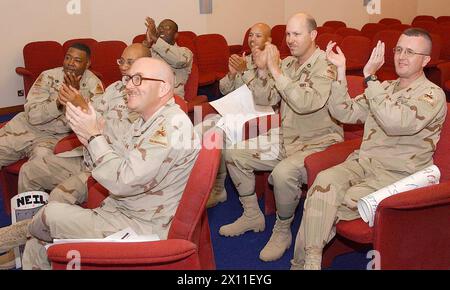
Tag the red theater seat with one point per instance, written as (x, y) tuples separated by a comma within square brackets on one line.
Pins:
[(38, 57), (411, 228), (212, 56), (188, 245)]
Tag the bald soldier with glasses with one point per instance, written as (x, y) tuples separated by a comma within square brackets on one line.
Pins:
[(144, 192), (65, 175)]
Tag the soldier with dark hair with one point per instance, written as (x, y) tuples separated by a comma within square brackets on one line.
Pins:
[(161, 42)]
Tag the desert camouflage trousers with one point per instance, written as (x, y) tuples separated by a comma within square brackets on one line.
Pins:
[(334, 196), (64, 221), (263, 153)]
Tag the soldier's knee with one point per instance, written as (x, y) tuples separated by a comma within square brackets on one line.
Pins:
[(39, 227), (280, 174), (41, 152), (59, 195), (229, 155), (326, 177)]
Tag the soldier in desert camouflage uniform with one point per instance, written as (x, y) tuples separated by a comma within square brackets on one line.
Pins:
[(61, 170), (35, 132), (403, 120), (242, 70), (161, 41), (302, 83), (145, 174), (66, 174)]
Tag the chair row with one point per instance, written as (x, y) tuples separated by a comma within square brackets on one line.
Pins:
[(393, 21)]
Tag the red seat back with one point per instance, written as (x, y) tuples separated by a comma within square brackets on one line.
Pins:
[(191, 86), (445, 51), (40, 56), (335, 24), (441, 156), (106, 56), (325, 29), (390, 39), (430, 26), (399, 27), (279, 35), (346, 31), (370, 29), (284, 51), (435, 50), (389, 21), (323, 40), (357, 49), (188, 34), (212, 54), (443, 19), (423, 18), (139, 38), (356, 87)]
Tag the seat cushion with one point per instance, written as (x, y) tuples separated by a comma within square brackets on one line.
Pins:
[(15, 167), (447, 86), (206, 78), (356, 230), (197, 101)]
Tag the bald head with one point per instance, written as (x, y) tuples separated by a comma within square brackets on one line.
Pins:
[(138, 50), (263, 28), (154, 68), (130, 55), (304, 19), (259, 34), (301, 33)]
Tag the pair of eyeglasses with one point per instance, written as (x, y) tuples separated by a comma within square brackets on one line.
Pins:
[(137, 79), (122, 61), (408, 52)]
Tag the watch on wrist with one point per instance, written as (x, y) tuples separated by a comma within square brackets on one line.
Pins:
[(370, 78), (93, 137)]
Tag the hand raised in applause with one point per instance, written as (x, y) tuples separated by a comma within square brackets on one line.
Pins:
[(376, 60)]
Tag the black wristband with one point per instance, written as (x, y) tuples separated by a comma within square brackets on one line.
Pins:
[(93, 137), (371, 78)]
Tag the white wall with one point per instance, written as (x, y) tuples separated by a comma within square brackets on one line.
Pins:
[(124, 19), (232, 18), (351, 11), (404, 10), (23, 21), (433, 7)]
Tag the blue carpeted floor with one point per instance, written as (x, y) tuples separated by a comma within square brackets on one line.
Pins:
[(242, 253)]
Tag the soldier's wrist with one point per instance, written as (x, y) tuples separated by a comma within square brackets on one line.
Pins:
[(59, 105), (93, 137)]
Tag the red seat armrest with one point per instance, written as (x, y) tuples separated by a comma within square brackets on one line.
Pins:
[(139, 254), (67, 143), (23, 72)]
